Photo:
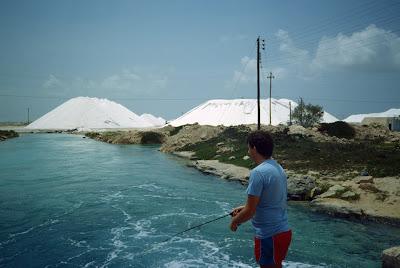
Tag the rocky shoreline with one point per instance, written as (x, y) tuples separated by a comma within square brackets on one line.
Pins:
[(341, 193), (7, 134), (354, 200)]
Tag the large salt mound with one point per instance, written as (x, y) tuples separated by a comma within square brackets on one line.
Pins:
[(89, 113), (357, 118), (240, 111), (155, 121)]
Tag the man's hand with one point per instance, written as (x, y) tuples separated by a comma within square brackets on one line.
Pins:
[(233, 226), (235, 211)]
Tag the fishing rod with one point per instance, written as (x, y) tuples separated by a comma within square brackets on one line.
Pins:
[(191, 228)]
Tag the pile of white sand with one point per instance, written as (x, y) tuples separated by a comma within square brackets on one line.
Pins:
[(357, 118), (240, 111), (155, 121), (90, 113)]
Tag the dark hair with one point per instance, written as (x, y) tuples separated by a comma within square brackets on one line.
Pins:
[(263, 142)]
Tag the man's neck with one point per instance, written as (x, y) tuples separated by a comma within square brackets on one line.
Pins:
[(259, 159)]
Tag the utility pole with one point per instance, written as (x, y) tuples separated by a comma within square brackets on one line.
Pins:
[(258, 80), (270, 77), (28, 116)]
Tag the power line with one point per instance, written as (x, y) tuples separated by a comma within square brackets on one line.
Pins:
[(207, 98), (130, 99), (344, 20)]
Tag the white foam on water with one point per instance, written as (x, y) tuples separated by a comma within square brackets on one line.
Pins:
[(89, 264), (148, 186), (291, 264), (141, 227), (46, 223)]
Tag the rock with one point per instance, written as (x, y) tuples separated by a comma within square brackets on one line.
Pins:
[(224, 149), (327, 194), (313, 173), (333, 191), (299, 188), (220, 143), (314, 192), (185, 154), (364, 173), (337, 188), (391, 257), (336, 207), (369, 187), (232, 157), (297, 130), (363, 179), (246, 157), (226, 171), (349, 195)]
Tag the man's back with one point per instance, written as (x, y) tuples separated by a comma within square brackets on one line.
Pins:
[(268, 181)]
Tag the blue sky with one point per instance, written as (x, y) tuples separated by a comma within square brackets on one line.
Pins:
[(165, 57)]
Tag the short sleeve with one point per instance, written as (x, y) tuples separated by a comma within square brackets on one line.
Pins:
[(255, 184)]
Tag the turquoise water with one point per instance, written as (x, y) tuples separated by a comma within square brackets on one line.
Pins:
[(66, 201)]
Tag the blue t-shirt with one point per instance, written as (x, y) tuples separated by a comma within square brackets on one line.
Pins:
[(268, 181)]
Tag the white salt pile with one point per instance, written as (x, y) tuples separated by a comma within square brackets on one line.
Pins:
[(357, 118), (89, 113), (240, 111), (155, 121)]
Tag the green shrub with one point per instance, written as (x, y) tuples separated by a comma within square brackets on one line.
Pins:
[(338, 129)]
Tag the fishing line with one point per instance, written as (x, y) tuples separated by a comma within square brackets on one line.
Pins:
[(191, 228), (184, 231)]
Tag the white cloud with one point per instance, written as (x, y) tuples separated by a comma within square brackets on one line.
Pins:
[(372, 49), (248, 72), (126, 81), (123, 81), (288, 48), (52, 83)]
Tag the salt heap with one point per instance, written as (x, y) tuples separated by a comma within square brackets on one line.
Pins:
[(89, 113), (240, 111), (155, 121), (357, 118)]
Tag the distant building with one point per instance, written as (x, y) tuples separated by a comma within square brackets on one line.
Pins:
[(392, 123)]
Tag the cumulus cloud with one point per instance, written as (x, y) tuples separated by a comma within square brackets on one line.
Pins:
[(52, 82), (371, 49), (247, 75), (288, 48), (122, 81), (126, 81)]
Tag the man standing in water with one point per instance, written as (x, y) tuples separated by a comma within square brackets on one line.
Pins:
[(266, 203)]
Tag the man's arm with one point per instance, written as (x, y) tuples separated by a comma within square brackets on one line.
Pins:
[(246, 213)]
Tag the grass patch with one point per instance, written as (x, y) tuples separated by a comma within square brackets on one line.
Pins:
[(301, 155)]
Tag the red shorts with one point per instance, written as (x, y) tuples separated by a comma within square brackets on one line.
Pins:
[(272, 250)]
